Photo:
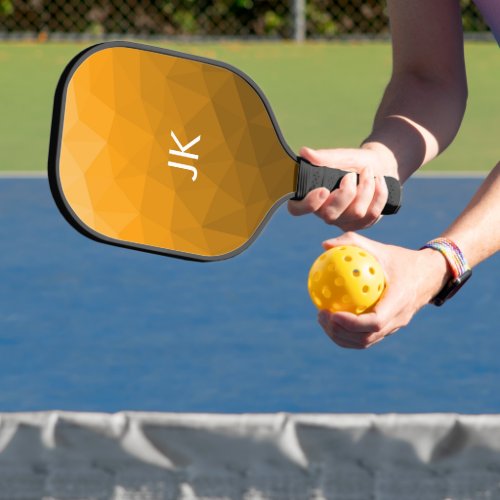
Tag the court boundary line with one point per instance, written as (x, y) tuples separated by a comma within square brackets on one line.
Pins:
[(431, 174), (23, 174), (452, 174)]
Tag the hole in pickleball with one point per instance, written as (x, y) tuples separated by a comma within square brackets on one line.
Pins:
[(362, 254), (348, 258), (331, 268), (379, 287), (346, 299), (336, 306), (317, 276), (366, 289), (339, 281), (327, 293), (356, 273), (360, 309), (372, 270), (317, 300)]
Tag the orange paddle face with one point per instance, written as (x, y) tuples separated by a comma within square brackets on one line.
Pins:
[(164, 152)]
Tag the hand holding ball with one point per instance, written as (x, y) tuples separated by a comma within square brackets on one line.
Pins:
[(346, 278)]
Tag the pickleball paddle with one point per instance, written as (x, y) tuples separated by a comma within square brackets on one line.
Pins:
[(171, 153)]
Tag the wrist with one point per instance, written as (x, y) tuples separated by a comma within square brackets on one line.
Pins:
[(386, 157), (437, 272)]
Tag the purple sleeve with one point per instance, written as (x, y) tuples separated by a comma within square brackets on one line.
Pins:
[(490, 9)]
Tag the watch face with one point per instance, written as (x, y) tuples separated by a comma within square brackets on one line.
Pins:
[(451, 288)]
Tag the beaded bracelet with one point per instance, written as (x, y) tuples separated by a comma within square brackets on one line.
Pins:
[(452, 254), (459, 267)]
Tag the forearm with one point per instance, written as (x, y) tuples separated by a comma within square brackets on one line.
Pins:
[(424, 103), (477, 230), (416, 120)]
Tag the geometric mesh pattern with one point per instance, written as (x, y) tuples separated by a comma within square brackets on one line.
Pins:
[(167, 152)]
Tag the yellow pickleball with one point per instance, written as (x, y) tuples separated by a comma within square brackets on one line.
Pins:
[(346, 278)]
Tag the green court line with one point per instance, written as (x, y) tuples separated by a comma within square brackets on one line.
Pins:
[(323, 95)]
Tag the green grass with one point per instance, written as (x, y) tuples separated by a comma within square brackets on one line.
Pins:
[(323, 94)]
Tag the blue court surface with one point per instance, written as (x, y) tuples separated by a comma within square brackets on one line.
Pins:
[(90, 327)]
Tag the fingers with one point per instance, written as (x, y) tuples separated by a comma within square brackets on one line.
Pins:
[(339, 337), (355, 204), (315, 199), (364, 195), (335, 205), (380, 196), (355, 332), (352, 238), (365, 208), (310, 204), (338, 158), (368, 323)]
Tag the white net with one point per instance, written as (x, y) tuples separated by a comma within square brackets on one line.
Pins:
[(154, 456)]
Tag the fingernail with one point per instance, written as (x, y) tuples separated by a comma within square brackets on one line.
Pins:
[(323, 194), (305, 151), (348, 178)]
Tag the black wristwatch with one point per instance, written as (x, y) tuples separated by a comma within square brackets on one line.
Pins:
[(461, 272)]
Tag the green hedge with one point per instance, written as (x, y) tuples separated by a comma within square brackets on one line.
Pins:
[(265, 18)]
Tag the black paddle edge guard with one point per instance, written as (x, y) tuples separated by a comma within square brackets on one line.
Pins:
[(312, 177)]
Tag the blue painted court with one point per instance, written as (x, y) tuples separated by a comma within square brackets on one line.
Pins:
[(85, 326)]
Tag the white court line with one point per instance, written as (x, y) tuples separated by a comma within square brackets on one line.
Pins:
[(23, 174), (454, 174)]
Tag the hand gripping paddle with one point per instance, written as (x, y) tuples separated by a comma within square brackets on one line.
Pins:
[(171, 153)]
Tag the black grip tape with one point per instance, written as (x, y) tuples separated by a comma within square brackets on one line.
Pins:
[(312, 177)]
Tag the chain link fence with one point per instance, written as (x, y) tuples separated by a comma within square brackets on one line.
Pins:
[(284, 19)]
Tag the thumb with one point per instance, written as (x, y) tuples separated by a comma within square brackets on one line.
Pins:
[(349, 238), (311, 155), (339, 157)]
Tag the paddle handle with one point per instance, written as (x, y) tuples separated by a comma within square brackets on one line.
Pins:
[(311, 177)]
